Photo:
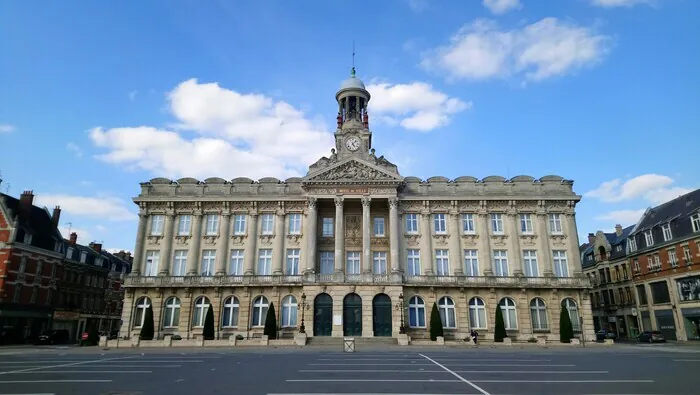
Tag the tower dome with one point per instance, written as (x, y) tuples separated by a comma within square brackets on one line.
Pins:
[(352, 100)]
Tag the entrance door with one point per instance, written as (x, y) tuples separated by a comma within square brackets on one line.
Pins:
[(323, 315), (352, 315), (381, 315)]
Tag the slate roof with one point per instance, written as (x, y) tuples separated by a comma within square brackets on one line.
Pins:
[(107, 258), (614, 240), (38, 223)]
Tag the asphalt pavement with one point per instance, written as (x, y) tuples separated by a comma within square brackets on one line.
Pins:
[(486, 371)]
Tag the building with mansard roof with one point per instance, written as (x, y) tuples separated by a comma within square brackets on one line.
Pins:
[(354, 248)]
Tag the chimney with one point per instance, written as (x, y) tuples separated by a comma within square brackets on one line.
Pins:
[(618, 230), (26, 200), (96, 246), (56, 215), (73, 238), (129, 258), (591, 238)]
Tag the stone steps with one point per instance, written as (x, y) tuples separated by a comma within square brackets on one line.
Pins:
[(359, 341)]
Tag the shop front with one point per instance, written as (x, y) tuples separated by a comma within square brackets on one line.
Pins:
[(646, 321), (691, 322), (20, 325), (67, 320), (666, 324)]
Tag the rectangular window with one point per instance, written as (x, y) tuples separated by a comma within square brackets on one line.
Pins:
[(212, 224), (525, 224), (236, 266), (642, 295), (555, 223), (69, 253), (413, 262), (265, 262), (442, 261), (293, 255), (411, 223), (439, 224), (695, 221), (497, 223), (649, 238), (379, 260), (530, 263), (83, 257), (268, 224), (500, 263), (378, 226), (327, 229), (352, 264), (49, 293), (561, 264), (152, 261), (657, 262), (294, 224), (659, 292), (632, 242), (180, 263), (184, 226), (686, 255), (327, 262), (239, 224), (468, 224), (208, 262), (471, 263), (33, 297), (157, 225), (667, 232)]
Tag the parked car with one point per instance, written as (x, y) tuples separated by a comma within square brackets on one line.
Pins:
[(56, 336), (651, 337), (603, 334)]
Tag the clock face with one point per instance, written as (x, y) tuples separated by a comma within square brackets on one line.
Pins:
[(353, 143)]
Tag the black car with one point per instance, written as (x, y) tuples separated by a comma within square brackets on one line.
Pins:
[(56, 336), (651, 337)]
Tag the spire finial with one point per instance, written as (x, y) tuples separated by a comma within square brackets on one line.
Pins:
[(352, 71)]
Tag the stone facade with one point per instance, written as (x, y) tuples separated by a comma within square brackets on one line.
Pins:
[(357, 236)]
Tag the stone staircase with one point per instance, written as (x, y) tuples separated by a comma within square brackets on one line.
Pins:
[(361, 343)]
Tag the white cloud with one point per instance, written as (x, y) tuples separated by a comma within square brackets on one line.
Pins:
[(545, 49), (625, 217), (132, 95), (418, 5), (116, 250), (84, 237), (101, 228), (7, 128), (499, 7), (618, 3), (236, 135), (102, 207), (416, 106), (75, 149), (654, 188)]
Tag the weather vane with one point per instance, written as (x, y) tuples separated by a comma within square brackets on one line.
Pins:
[(352, 71)]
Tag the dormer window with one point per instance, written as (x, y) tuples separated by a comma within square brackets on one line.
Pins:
[(83, 257), (695, 221), (632, 242), (667, 232), (649, 238), (27, 238)]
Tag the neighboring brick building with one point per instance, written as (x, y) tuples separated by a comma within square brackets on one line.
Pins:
[(31, 250), (604, 261), (664, 253)]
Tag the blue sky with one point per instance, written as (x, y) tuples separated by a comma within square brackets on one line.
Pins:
[(99, 96)]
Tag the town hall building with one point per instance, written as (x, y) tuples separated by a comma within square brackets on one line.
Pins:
[(354, 248)]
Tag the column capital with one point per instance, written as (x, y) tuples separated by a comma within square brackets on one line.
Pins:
[(366, 201), (393, 203), (339, 201), (312, 202)]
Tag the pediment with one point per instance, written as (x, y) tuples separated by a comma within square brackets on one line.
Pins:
[(353, 170)]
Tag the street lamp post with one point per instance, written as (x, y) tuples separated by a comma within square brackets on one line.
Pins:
[(302, 328), (400, 307)]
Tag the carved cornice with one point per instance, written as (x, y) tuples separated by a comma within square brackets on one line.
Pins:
[(499, 240), (441, 239)]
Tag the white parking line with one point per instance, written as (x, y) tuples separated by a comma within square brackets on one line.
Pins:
[(97, 366), (371, 371), (52, 381), (564, 381), (92, 360), (458, 376), (428, 364), (64, 365), (373, 381), (87, 372), (440, 360), (686, 360), (458, 371)]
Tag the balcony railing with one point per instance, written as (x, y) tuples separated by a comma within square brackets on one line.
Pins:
[(365, 278)]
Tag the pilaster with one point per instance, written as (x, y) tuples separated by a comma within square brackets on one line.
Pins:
[(224, 238), (193, 254), (394, 234), (426, 252), (339, 235), (140, 237), (311, 226), (249, 253), (366, 229), (278, 246), (166, 253)]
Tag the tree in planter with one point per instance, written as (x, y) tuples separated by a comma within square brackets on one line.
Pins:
[(500, 332), (566, 328), (93, 336), (271, 323), (147, 327), (208, 331), (435, 323)]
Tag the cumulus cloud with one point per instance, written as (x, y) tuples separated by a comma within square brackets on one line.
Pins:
[(499, 7), (102, 207), (235, 135), (74, 149), (545, 49), (621, 216), (415, 106), (84, 236), (654, 188), (6, 128), (619, 3)]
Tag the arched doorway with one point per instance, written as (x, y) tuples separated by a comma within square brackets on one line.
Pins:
[(381, 315), (352, 315), (323, 315)]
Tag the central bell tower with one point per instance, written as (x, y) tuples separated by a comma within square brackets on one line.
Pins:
[(352, 136)]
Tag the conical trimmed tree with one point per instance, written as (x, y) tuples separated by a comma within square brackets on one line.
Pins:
[(93, 336), (147, 327), (500, 332), (271, 323), (435, 323), (566, 328), (208, 331)]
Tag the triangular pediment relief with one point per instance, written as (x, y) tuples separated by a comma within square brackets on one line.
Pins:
[(353, 170)]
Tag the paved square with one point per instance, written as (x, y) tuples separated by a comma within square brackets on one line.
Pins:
[(624, 370)]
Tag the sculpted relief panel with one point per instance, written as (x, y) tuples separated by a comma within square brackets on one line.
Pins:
[(352, 171)]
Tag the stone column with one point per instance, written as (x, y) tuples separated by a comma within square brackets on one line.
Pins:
[(251, 244), (339, 235), (544, 257), (222, 250), (366, 229), (426, 245), (138, 247), (195, 241), (166, 259), (311, 226), (486, 266), (514, 238), (278, 247), (455, 238), (572, 255), (394, 234)]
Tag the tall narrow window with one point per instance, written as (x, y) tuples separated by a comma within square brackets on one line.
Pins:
[(530, 263), (327, 229), (260, 306), (561, 264), (294, 224), (411, 223), (379, 259), (171, 316), (184, 226), (378, 227), (239, 224), (293, 255), (212, 225), (327, 262), (525, 224), (500, 263), (157, 225), (439, 224), (180, 263), (265, 262), (667, 232), (142, 304), (555, 223), (352, 264), (152, 262), (497, 223), (446, 308), (236, 266), (201, 305), (468, 224), (538, 313), (230, 312), (208, 262), (416, 312), (471, 263), (268, 224), (413, 262), (477, 313), (289, 312), (572, 308), (442, 261), (649, 238), (510, 318)]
